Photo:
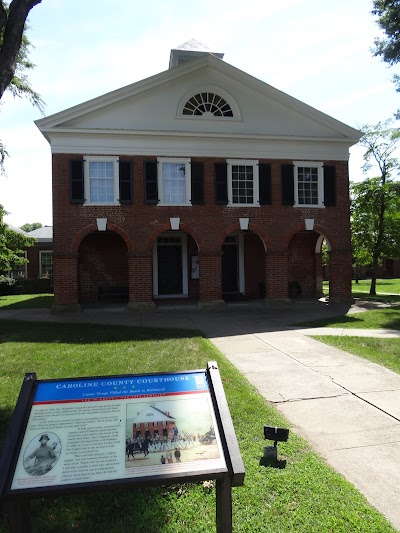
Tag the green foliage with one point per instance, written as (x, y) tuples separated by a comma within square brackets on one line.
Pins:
[(388, 47), (12, 245), (6, 280), (20, 86), (375, 202), (367, 199), (14, 57), (31, 226), (388, 13)]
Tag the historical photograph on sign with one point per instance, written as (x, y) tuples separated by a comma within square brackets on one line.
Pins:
[(162, 432), (41, 454)]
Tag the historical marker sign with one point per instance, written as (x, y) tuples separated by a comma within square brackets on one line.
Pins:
[(91, 430), (84, 433)]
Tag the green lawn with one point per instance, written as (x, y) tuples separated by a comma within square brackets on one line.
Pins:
[(388, 290), (385, 352), (26, 301), (306, 496), (384, 318), (383, 286)]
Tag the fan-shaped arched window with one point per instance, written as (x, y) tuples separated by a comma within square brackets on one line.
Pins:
[(207, 104)]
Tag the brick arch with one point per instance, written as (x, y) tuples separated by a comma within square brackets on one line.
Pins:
[(182, 227), (317, 228), (92, 228), (252, 227)]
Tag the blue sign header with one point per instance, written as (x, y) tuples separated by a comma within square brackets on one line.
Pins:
[(120, 386)]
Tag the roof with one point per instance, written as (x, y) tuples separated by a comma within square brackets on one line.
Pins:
[(189, 51), (143, 119), (17, 230), (152, 414), (44, 234)]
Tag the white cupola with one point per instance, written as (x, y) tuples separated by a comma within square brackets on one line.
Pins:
[(190, 50)]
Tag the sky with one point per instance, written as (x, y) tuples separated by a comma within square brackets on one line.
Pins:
[(318, 51)]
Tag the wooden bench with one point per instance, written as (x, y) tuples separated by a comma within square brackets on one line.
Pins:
[(113, 294)]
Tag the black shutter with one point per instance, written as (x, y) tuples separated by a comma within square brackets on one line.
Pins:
[(330, 186), (264, 184), (287, 178), (150, 182), (221, 184), (76, 182), (125, 182), (197, 183)]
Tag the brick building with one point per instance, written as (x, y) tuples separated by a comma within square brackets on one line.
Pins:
[(152, 423), (200, 183), (39, 257)]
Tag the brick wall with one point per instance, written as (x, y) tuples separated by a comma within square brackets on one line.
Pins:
[(212, 223)]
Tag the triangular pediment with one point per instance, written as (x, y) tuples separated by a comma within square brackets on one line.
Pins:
[(155, 105)]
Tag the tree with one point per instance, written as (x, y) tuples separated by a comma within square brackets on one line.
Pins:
[(12, 245), (30, 227), (14, 62), (388, 48), (375, 206)]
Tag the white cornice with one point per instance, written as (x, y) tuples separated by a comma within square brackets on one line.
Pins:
[(79, 132), (160, 144)]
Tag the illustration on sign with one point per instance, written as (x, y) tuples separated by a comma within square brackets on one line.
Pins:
[(166, 432)]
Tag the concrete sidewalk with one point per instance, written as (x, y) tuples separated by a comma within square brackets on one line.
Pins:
[(346, 407)]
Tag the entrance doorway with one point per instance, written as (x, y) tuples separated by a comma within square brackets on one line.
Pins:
[(230, 266), (169, 259), (170, 278)]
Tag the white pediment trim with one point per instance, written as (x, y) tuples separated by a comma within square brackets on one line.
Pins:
[(233, 75)]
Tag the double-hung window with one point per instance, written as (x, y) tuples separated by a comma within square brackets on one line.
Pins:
[(18, 271), (308, 183), (101, 180), (174, 182), (46, 264), (243, 182)]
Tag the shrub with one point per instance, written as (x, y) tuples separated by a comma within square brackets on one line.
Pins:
[(7, 285)]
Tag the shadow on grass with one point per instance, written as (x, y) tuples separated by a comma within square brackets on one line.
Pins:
[(385, 298), (280, 464), (120, 510), (44, 332), (344, 319)]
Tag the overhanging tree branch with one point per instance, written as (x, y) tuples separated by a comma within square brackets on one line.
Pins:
[(13, 24)]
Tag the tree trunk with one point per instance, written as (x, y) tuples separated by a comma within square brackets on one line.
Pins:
[(12, 28), (372, 290)]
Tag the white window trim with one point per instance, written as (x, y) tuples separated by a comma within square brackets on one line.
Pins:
[(186, 161), (185, 282), (40, 260), (316, 164), (109, 159), (248, 163)]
